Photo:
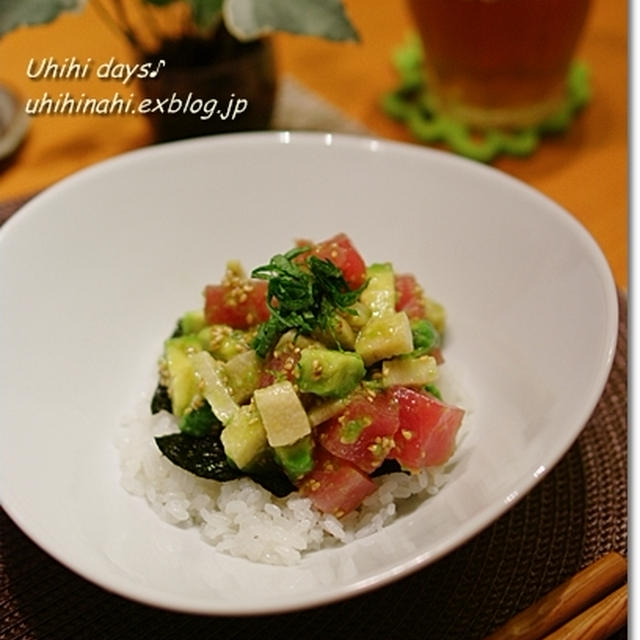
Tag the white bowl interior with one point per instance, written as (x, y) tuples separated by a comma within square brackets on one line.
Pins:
[(95, 271)]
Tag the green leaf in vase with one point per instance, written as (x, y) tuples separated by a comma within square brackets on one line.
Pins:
[(248, 19), (15, 13), (205, 12)]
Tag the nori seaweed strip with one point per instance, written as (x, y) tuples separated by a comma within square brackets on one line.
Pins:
[(270, 475), (276, 483), (161, 400), (204, 456), (389, 465)]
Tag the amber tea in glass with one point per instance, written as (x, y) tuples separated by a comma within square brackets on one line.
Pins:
[(498, 63)]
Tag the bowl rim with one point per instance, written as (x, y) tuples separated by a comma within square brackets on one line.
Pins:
[(365, 144)]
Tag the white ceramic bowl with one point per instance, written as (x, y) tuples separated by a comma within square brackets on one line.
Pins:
[(94, 271)]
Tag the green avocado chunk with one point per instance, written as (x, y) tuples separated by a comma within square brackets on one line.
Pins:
[(329, 373), (384, 337), (222, 342), (297, 458), (182, 383), (425, 336), (192, 321), (198, 421), (244, 438), (380, 293)]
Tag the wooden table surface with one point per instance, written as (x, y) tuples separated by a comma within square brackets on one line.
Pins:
[(584, 170)]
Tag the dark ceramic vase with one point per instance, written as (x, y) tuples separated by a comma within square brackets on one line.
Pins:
[(205, 87)]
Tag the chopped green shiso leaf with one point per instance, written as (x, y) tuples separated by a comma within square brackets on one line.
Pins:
[(303, 295)]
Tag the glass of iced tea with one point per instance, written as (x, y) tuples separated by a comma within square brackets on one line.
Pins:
[(498, 63)]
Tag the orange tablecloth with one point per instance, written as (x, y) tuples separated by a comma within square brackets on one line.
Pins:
[(584, 170)]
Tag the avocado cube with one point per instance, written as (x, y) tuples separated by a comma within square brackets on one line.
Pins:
[(182, 381), (243, 373), (357, 315), (327, 409), (436, 314), (341, 334), (192, 321), (326, 372), (296, 459), (222, 342), (409, 372), (425, 335), (380, 293), (384, 337), (244, 438)]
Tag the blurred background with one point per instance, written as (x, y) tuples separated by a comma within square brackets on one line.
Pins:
[(326, 79)]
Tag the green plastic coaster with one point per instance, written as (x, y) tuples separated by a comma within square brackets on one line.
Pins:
[(411, 103)]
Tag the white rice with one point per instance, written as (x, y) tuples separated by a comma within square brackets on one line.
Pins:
[(240, 517)]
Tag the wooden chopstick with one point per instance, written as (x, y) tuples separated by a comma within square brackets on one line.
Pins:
[(573, 604), (598, 622)]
